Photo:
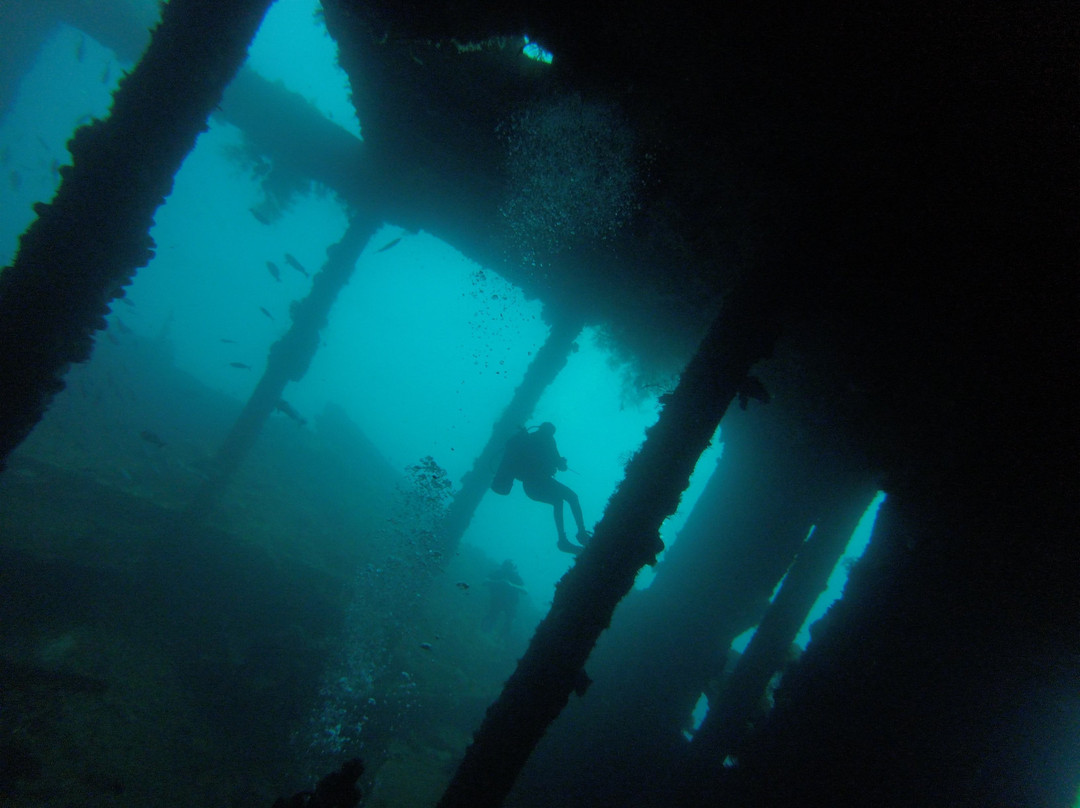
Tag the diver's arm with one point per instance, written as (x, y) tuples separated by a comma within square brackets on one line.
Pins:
[(557, 460)]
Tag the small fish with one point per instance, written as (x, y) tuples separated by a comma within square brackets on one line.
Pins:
[(239, 365), (295, 265), (123, 328), (15, 178), (106, 74), (228, 341), (151, 438), (80, 49), (461, 585), (426, 646), (258, 216), (286, 408), (111, 337), (264, 311), (270, 265), (127, 301), (389, 244)]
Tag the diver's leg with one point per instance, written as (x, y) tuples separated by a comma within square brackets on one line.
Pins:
[(549, 491), (564, 543), (542, 490), (575, 508), (560, 525)]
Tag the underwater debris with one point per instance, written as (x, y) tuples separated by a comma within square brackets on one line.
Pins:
[(336, 790), (264, 311), (428, 490), (752, 388), (286, 408), (152, 438), (291, 261), (270, 265), (239, 366), (388, 245)]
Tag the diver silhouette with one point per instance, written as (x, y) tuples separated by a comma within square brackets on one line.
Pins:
[(505, 588), (533, 458)]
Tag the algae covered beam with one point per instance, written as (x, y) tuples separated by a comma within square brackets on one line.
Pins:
[(626, 539), (289, 358), (738, 707), (87, 243)]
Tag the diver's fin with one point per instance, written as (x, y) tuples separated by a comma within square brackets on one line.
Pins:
[(567, 547)]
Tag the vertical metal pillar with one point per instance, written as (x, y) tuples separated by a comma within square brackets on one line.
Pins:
[(87, 244)]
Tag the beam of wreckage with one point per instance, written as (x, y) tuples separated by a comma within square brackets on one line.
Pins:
[(87, 243), (290, 131)]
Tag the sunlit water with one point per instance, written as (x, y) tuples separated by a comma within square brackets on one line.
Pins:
[(424, 347)]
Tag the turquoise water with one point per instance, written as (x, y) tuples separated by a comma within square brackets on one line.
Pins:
[(422, 351), (423, 348)]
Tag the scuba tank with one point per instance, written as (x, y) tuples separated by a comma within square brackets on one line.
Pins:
[(503, 481)]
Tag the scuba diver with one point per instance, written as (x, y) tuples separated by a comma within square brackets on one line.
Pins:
[(533, 458), (506, 587)]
